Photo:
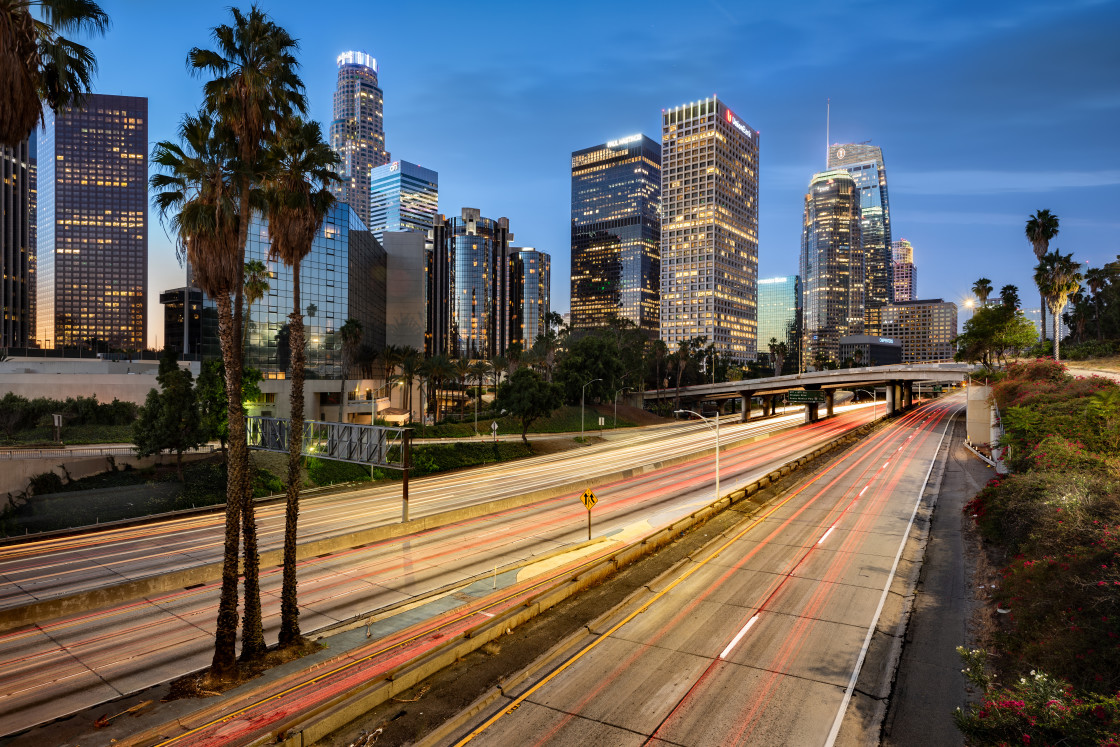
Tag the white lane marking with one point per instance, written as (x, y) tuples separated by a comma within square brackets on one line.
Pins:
[(886, 464), (738, 637), (865, 487), (835, 731), (485, 614), (822, 539)]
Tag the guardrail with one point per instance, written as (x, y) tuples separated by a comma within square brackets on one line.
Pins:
[(78, 451)]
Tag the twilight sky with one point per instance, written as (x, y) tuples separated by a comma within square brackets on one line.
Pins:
[(985, 111)]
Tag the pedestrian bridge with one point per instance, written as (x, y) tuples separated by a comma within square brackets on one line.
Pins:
[(899, 381)]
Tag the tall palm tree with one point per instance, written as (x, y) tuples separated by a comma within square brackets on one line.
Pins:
[(38, 64), (297, 196), (1097, 279), (462, 368), (349, 336), (440, 371), (682, 358), (479, 369), (256, 286), (1009, 296), (194, 194), (390, 359), (1058, 277), (410, 371), (982, 288), (778, 352), (1041, 228), (498, 364)]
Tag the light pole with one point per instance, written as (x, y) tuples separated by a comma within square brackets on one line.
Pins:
[(623, 389), (581, 393), (875, 398), (716, 418)]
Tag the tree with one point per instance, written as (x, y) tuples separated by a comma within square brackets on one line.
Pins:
[(527, 397), (778, 352), (210, 390), (462, 368), (992, 334), (439, 370), (38, 65), (390, 359), (256, 286), (982, 288), (169, 420), (1097, 278), (593, 356), (1041, 228), (1009, 296), (349, 335), (410, 370), (1058, 277), (479, 369)]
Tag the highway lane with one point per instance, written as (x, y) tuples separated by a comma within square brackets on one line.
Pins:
[(759, 640), (60, 666), (60, 566)]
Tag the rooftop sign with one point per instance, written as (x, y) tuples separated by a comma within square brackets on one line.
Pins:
[(738, 124), (623, 141)]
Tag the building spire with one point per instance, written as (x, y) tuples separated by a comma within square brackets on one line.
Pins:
[(827, 127)]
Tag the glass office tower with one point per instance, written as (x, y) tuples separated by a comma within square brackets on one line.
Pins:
[(616, 233), (709, 229), (865, 164), (832, 268), (904, 271), (530, 276), (357, 130), (92, 258), (779, 317), (403, 197), (926, 328), (17, 250)]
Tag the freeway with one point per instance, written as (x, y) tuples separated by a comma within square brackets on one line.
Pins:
[(758, 640), (58, 667)]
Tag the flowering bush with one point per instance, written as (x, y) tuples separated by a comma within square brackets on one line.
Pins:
[(1062, 454)]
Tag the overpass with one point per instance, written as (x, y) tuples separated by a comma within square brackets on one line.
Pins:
[(899, 381)]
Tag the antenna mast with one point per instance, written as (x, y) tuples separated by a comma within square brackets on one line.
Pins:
[(827, 127)]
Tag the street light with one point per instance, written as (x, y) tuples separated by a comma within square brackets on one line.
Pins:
[(623, 389), (875, 398), (716, 418), (581, 393)]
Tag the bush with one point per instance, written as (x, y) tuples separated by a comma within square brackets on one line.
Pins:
[(46, 482), (331, 472), (266, 483)]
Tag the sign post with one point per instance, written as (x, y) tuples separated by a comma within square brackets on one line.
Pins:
[(589, 500), (494, 430)]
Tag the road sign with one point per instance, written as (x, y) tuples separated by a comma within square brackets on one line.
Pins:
[(589, 499), (937, 389), (601, 421), (494, 426), (807, 396)]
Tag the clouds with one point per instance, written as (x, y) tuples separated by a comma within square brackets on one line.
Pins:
[(965, 182)]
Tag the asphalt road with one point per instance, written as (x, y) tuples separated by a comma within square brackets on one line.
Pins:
[(760, 638)]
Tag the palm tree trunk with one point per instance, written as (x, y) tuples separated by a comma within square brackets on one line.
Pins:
[(289, 600), (342, 388), (225, 636), (1042, 309), (1056, 318)]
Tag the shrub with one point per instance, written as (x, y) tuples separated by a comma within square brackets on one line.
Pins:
[(46, 482), (331, 472), (266, 483), (1060, 454)]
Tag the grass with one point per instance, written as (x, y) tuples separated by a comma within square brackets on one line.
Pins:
[(564, 420), (72, 435)]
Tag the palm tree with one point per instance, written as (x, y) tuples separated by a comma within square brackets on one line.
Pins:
[(256, 286), (1058, 278), (349, 336), (682, 358), (1097, 279), (1041, 228), (440, 370), (479, 369), (1009, 296), (778, 351), (498, 365), (298, 199), (462, 368), (390, 358), (194, 195), (982, 288), (254, 87), (410, 370), (38, 64)]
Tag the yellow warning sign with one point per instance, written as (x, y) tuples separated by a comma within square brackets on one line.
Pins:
[(589, 499)]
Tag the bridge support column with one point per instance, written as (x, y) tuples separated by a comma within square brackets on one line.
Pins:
[(811, 412), (830, 401), (908, 395), (745, 400), (891, 404)]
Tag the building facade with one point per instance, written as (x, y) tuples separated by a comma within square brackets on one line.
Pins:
[(17, 247), (870, 350), (529, 280), (402, 197), (92, 205), (779, 316), (832, 269), (709, 229), (926, 328), (357, 130), (865, 163), (904, 271), (469, 306), (616, 233), (406, 288), (190, 323)]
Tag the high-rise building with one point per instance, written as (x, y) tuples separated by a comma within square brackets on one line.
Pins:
[(402, 197), (865, 164), (17, 248), (189, 321), (926, 328), (905, 272), (832, 269), (406, 288), (616, 233), (779, 316), (468, 296), (709, 228), (358, 129), (530, 276), (92, 259)]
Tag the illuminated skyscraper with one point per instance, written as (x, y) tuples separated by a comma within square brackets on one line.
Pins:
[(865, 164), (92, 262), (709, 228), (926, 328), (832, 269), (358, 130), (17, 248), (530, 274), (616, 233), (403, 197), (904, 272), (779, 316)]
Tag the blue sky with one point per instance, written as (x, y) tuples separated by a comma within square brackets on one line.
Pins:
[(986, 111)]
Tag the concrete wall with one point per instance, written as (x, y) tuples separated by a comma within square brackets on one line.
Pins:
[(17, 473), (979, 418), (59, 379)]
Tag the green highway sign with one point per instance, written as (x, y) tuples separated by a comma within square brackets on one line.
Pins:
[(937, 389), (806, 396)]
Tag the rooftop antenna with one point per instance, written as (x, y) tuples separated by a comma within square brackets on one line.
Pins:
[(827, 126)]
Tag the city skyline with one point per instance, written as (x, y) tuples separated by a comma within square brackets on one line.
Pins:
[(958, 147)]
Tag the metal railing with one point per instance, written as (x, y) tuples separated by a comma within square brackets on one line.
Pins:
[(374, 445), (79, 451)]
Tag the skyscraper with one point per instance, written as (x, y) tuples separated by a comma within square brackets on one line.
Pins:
[(709, 228), (779, 316), (530, 276), (865, 164), (403, 197), (616, 233), (358, 129), (926, 328), (92, 259), (17, 252), (904, 273), (832, 274)]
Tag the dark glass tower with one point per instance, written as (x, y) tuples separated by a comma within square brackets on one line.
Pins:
[(779, 317), (616, 233), (832, 269), (17, 249), (530, 277), (92, 259), (865, 164)]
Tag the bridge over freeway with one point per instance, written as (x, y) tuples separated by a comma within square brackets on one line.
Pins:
[(899, 381)]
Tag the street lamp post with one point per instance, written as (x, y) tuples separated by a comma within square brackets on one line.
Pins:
[(620, 391), (875, 398), (581, 393), (716, 418)]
